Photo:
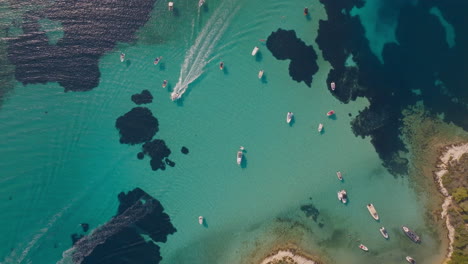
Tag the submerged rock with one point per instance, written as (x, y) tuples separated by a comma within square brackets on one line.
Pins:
[(184, 150), (137, 126), (144, 97), (158, 151)]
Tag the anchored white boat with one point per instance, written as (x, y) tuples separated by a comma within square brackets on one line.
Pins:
[(239, 157), (342, 196), (320, 127), (384, 232), (200, 220), (372, 211), (122, 57), (411, 234), (170, 6), (260, 74), (332, 86), (289, 117), (254, 51), (410, 260), (338, 174), (361, 246), (200, 3)]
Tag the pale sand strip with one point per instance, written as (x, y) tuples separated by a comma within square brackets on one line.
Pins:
[(298, 259), (454, 153)]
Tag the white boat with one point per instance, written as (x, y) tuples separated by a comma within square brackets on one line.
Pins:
[(175, 96), (338, 174), (342, 196), (411, 234), (157, 60), (170, 6), (384, 232), (200, 3), (289, 117), (320, 127), (200, 220), (372, 211), (410, 260), (254, 51), (260, 74), (239, 157), (361, 246), (332, 86), (122, 57)]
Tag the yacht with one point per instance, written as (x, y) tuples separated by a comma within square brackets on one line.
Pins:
[(239, 157), (372, 211), (330, 113), (332, 86), (200, 3), (411, 234), (221, 66), (342, 196), (338, 174), (361, 246), (384, 232), (320, 127), (254, 51), (200, 220), (289, 117), (260, 74), (157, 60), (175, 96), (122, 57), (164, 84), (410, 260)]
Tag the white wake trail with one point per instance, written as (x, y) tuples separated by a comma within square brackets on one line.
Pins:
[(199, 53)]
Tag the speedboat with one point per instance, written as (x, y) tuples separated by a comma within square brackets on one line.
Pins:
[(289, 117), (170, 6), (200, 220), (200, 3), (410, 260), (157, 60), (372, 211), (175, 96), (342, 196), (384, 232), (330, 113), (306, 11), (260, 74), (361, 246), (338, 174), (254, 51), (221, 65), (411, 234), (239, 157), (332, 86), (320, 127), (122, 57), (164, 84)]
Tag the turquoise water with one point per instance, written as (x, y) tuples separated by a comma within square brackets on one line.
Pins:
[(66, 166)]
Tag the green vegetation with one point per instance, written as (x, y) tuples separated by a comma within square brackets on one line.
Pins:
[(456, 182)]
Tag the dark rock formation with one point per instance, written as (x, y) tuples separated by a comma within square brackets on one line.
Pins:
[(158, 151), (144, 97), (137, 126), (184, 150)]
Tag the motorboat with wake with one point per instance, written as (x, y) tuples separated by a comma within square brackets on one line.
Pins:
[(332, 86), (200, 220), (338, 174), (361, 246), (175, 96), (200, 3), (122, 57), (157, 60), (342, 196), (331, 112), (289, 117), (221, 65), (372, 211), (164, 84), (410, 260), (320, 128), (411, 234), (384, 232), (260, 74), (240, 154), (254, 51)]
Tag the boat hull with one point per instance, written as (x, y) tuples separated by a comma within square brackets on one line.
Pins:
[(254, 51), (411, 234), (373, 212)]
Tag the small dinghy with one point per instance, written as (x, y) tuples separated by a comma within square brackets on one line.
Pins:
[(164, 84), (122, 57), (289, 117), (221, 66), (170, 6), (157, 60), (342, 196), (240, 154), (338, 174), (410, 260), (384, 232), (254, 51), (332, 86), (372, 211), (361, 246), (200, 3), (200, 220), (330, 113), (320, 128), (260, 74), (306, 11)]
